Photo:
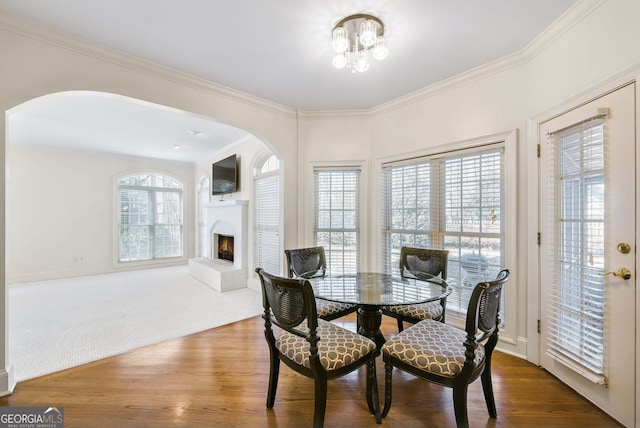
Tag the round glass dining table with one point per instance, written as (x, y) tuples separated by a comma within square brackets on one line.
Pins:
[(371, 291)]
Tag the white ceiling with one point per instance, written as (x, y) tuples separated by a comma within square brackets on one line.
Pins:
[(278, 50)]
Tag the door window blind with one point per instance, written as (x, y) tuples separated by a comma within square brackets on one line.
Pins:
[(337, 217), (267, 216), (577, 219)]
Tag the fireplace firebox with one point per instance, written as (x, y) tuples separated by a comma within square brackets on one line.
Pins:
[(225, 247)]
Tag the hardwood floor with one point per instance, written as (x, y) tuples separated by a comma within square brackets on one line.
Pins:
[(218, 378)]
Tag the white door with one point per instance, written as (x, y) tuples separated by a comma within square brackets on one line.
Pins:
[(587, 225)]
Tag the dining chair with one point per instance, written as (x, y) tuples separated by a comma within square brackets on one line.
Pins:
[(449, 356), (309, 263), (420, 260), (313, 347)]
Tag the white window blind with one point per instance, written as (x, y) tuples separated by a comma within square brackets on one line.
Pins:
[(577, 324), (150, 217), (452, 201), (337, 217), (267, 216), (203, 200)]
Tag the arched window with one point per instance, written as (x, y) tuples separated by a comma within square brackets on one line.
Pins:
[(267, 215), (204, 188), (150, 225)]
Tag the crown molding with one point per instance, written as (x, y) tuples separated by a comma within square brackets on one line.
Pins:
[(564, 23), (118, 58)]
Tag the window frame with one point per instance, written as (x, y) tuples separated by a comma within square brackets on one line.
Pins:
[(273, 172), (508, 332), (308, 236), (171, 260), (419, 213)]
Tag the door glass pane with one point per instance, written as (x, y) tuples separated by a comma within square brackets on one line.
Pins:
[(577, 330)]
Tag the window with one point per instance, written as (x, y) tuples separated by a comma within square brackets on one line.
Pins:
[(452, 201), (203, 199), (150, 224), (337, 217), (577, 309), (267, 215)]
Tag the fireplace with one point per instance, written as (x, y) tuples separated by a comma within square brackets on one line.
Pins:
[(224, 247), (225, 266)]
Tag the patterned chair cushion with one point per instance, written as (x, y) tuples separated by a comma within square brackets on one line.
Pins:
[(421, 311), (326, 307), (337, 347), (433, 347)]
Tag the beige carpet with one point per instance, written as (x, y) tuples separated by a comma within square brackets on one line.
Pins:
[(54, 325)]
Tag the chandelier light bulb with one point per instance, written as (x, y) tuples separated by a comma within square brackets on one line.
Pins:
[(368, 33), (340, 60), (362, 62), (340, 40), (380, 50)]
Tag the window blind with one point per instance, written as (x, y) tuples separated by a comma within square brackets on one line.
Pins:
[(150, 217), (337, 217), (267, 216), (577, 218), (452, 201)]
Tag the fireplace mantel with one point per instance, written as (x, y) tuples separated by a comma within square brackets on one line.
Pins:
[(228, 217), (226, 203)]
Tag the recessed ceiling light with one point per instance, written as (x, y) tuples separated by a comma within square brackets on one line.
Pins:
[(177, 147), (194, 133)]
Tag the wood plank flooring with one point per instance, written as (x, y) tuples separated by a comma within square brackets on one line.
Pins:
[(218, 378)]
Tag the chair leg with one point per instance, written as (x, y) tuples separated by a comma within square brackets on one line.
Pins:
[(388, 368), (320, 401), (460, 406), (274, 371), (400, 325), (373, 400), (487, 388)]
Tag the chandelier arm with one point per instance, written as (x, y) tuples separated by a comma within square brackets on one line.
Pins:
[(360, 16)]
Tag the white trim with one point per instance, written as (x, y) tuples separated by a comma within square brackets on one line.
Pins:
[(141, 264), (309, 202), (121, 59), (7, 381), (564, 23), (629, 75)]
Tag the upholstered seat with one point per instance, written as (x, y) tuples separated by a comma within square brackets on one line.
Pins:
[(337, 347), (312, 347), (309, 263), (445, 354), (414, 261), (422, 311), (448, 356)]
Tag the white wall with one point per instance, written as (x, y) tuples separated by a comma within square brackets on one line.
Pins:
[(60, 211)]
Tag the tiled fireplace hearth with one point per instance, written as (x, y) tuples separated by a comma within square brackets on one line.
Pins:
[(226, 268)]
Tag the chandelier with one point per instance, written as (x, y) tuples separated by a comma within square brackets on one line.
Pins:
[(355, 38)]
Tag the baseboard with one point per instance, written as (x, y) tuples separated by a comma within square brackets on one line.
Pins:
[(7, 381)]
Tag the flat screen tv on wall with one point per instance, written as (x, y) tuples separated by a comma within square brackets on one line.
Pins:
[(225, 176)]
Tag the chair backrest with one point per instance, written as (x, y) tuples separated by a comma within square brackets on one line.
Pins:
[(288, 302), (484, 308), (433, 262), (307, 262)]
